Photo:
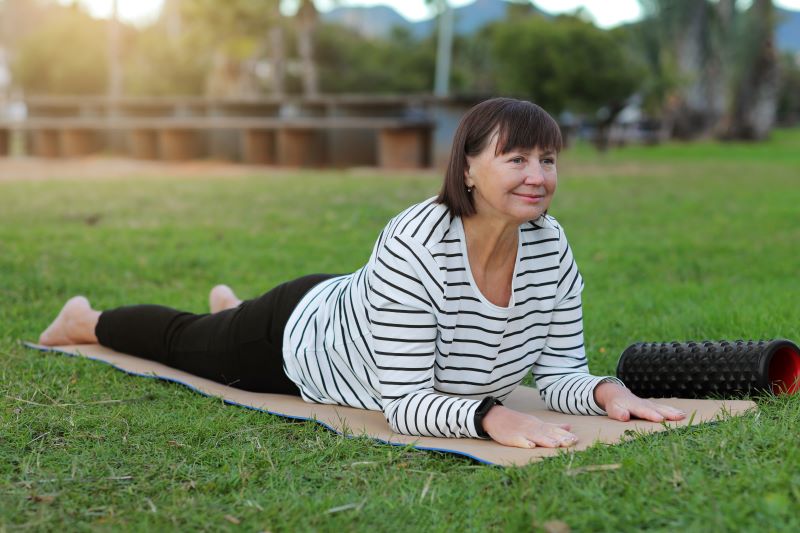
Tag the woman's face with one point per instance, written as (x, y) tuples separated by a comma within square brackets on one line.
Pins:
[(515, 187)]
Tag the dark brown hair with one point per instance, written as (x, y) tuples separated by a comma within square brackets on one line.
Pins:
[(520, 125)]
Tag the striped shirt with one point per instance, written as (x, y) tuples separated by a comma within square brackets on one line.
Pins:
[(411, 335)]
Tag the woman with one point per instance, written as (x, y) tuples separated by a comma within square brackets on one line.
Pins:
[(462, 296)]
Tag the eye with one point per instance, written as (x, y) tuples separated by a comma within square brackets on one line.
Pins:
[(549, 161), (517, 160)]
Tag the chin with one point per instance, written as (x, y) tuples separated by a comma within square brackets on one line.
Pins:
[(524, 215)]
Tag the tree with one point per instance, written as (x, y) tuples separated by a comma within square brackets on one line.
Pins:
[(242, 32), (65, 54), (349, 62), (713, 65), (788, 112), (235, 34), (564, 64), (690, 43), (754, 93), (307, 18), (161, 64)]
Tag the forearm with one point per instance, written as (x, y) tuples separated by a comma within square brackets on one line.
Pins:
[(571, 392), (428, 414)]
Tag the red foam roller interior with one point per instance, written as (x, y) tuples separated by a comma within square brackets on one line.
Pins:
[(784, 371)]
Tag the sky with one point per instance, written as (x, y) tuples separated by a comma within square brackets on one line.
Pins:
[(606, 13)]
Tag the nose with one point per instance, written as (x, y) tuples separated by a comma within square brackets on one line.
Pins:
[(534, 173)]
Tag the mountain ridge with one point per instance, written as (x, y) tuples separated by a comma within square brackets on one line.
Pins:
[(379, 20)]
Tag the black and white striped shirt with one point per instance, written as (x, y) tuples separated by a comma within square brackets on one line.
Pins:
[(410, 334)]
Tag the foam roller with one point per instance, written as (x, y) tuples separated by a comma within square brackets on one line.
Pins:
[(726, 369)]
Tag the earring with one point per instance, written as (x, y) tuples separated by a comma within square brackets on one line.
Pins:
[(469, 189)]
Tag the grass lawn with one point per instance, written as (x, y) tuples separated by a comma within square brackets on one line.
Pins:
[(675, 242)]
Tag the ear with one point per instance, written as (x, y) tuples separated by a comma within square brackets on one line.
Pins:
[(468, 177)]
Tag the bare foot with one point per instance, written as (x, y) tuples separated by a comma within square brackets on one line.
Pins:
[(222, 297), (74, 324)]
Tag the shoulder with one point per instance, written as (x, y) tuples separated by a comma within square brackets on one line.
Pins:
[(423, 223), (547, 222), (545, 225)]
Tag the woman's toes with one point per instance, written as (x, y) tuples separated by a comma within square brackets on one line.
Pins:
[(222, 297)]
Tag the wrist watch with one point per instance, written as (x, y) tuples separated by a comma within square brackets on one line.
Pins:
[(483, 408)]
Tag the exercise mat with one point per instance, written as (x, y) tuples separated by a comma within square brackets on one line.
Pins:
[(358, 422)]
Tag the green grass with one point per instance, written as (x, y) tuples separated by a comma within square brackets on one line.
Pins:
[(674, 242)]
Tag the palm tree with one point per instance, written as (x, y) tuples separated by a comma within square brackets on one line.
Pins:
[(754, 98), (684, 29), (306, 22), (277, 50), (724, 62)]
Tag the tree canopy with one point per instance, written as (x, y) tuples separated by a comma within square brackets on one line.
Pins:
[(703, 67), (566, 63), (65, 53)]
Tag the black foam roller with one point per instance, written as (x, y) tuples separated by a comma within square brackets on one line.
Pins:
[(726, 369)]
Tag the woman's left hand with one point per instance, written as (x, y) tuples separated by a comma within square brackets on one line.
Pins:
[(621, 404)]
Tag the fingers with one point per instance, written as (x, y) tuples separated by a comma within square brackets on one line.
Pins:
[(525, 431), (550, 436), (670, 413), (553, 437), (657, 412), (616, 411), (646, 410)]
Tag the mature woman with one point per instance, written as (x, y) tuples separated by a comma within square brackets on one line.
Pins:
[(463, 294)]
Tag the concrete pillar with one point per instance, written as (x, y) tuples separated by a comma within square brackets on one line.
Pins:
[(45, 143), (446, 114), (402, 148), (143, 144), (258, 147), (299, 148), (76, 143), (178, 145), (5, 143)]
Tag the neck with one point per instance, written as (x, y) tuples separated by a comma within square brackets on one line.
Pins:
[(491, 243)]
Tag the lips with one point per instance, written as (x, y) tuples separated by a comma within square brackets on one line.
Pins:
[(530, 196)]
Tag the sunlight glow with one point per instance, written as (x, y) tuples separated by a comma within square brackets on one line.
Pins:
[(138, 12), (606, 13)]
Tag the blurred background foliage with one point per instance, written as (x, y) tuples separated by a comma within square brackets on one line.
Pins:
[(65, 53), (702, 68)]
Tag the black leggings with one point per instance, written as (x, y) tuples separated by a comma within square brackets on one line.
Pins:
[(240, 347)]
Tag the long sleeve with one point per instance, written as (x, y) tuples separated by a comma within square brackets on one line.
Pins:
[(562, 371), (404, 292), (411, 335)]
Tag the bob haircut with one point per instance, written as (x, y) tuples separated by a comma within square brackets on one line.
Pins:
[(520, 125)]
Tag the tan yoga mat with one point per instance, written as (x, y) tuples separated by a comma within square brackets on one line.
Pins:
[(359, 422)]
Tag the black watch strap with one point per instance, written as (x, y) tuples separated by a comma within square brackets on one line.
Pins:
[(483, 408)]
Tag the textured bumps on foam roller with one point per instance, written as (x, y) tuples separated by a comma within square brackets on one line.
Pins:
[(726, 369)]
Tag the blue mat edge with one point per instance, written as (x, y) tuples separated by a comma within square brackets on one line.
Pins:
[(39, 348)]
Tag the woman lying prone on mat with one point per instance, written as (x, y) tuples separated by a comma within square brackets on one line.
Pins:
[(463, 294)]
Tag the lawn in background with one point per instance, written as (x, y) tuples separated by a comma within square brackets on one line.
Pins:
[(675, 242)]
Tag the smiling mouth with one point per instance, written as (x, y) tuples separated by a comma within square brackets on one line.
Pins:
[(531, 196)]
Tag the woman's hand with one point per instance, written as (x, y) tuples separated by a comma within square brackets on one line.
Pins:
[(620, 404), (512, 428)]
